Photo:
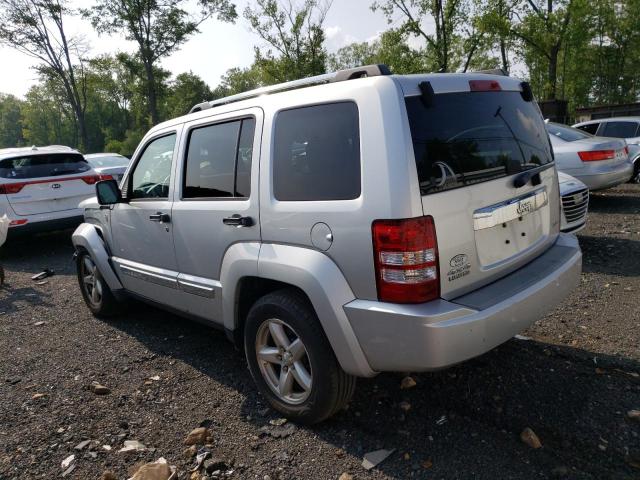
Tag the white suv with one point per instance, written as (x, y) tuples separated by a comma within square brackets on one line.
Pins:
[(41, 187)]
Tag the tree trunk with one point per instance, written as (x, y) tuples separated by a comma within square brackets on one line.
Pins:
[(503, 54), (553, 73), (152, 94)]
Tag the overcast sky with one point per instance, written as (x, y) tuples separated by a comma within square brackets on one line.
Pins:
[(209, 54)]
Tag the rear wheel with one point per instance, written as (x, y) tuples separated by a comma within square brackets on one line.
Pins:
[(636, 171), (95, 291), (291, 360)]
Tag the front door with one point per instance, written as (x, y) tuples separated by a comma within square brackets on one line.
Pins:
[(142, 227), (216, 203)]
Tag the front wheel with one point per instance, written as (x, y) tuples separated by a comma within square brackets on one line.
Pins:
[(291, 360), (95, 291)]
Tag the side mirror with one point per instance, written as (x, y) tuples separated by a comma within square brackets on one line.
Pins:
[(108, 192)]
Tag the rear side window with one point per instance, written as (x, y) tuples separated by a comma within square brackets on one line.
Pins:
[(591, 128), (218, 161), (619, 129), (317, 153), (565, 133), (467, 138), (37, 166)]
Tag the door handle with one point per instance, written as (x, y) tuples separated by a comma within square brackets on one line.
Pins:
[(238, 221), (160, 217)]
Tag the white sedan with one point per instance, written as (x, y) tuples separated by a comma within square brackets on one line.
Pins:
[(41, 188)]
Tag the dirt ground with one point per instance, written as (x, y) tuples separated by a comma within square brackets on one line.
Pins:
[(571, 379)]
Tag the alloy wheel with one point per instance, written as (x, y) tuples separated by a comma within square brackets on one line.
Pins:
[(284, 361), (91, 281)]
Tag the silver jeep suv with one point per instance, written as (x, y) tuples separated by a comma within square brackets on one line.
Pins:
[(340, 226)]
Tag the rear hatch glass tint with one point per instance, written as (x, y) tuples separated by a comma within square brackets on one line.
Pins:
[(38, 166), (467, 138)]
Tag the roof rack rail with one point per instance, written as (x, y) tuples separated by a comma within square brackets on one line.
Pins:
[(339, 76)]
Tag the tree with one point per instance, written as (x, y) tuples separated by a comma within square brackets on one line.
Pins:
[(542, 28), (185, 91), (10, 121), (36, 28), (294, 36), (390, 49), (238, 80), (443, 47), (158, 28)]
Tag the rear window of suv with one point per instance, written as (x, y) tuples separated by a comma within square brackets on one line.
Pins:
[(462, 139), (48, 165)]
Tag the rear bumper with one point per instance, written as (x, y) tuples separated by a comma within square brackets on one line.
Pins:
[(442, 333), (51, 225), (605, 176)]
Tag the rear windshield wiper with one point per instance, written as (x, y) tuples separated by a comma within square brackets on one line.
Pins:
[(532, 175)]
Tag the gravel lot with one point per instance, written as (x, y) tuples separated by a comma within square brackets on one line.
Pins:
[(572, 382)]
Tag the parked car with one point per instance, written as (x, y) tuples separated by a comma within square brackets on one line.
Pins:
[(112, 164), (575, 203), (619, 127), (41, 188), (598, 162), (340, 226)]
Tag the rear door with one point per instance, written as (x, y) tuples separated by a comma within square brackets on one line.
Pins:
[(216, 203), (486, 176), (47, 183)]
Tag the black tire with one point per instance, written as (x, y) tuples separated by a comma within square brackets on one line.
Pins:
[(106, 305), (636, 172), (331, 388)]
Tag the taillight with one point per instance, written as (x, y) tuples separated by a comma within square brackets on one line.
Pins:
[(406, 260), (626, 150), (9, 188), (485, 86), (17, 223), (92, 179), (597, 155)]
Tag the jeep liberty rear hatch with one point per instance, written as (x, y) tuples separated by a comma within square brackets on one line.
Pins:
[(486, 174)]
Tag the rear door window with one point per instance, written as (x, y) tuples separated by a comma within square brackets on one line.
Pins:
[(591, 128), (619, 129), (467, 138), (317, 153), (218, 161), (48, 165)]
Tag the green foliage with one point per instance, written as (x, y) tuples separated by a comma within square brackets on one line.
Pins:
[(586, 51), (10, 121), (390, 49), (294, 36), (158, 28), (185, 91)]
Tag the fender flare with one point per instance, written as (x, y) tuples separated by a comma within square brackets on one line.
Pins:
[(316, 275), (86, 236)]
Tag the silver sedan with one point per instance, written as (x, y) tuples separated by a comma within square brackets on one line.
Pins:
[(112, 164), (598, 162)]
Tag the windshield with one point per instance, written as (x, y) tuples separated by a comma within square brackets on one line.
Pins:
[(568, 134), (467, 138), (36, 166), (108, 161)]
